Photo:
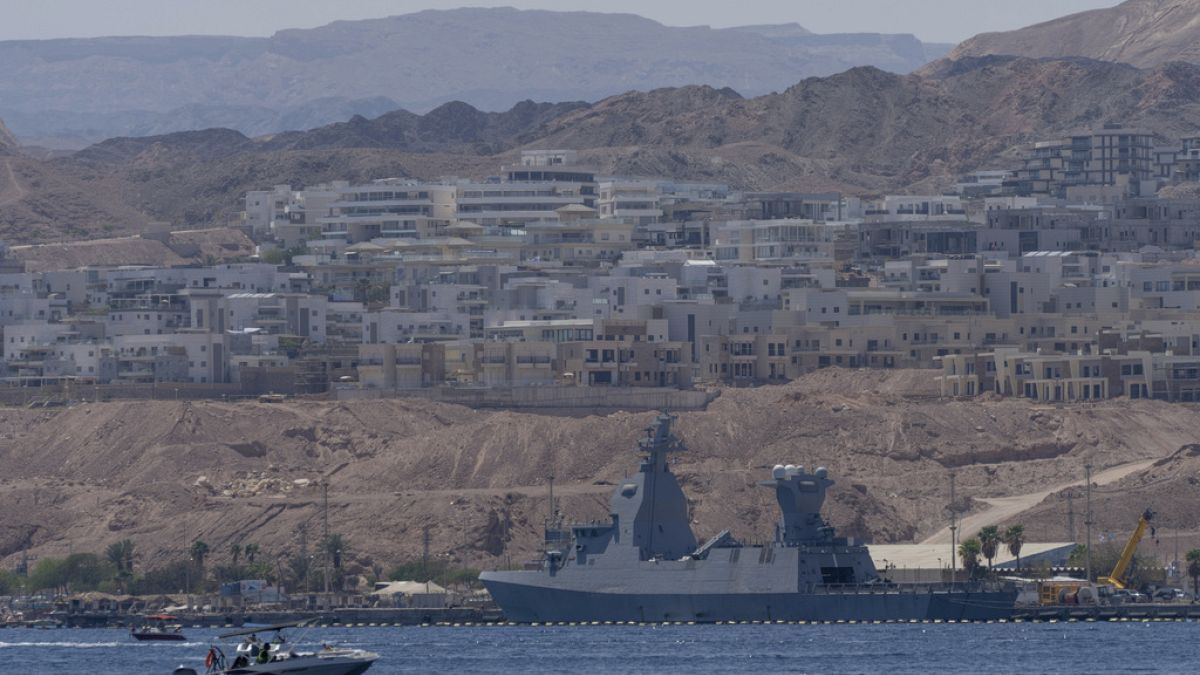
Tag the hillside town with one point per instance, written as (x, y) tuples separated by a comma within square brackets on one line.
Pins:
[(1065, 278)]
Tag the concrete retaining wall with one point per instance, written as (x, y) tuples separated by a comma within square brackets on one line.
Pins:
[(549, 397)]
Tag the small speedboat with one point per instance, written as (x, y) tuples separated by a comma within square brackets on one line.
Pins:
[(253, 656), (158, 631)]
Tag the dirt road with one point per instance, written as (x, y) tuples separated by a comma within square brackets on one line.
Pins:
[(11, 191), (1004, 508)]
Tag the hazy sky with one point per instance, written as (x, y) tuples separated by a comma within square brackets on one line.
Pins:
[(930, 20)]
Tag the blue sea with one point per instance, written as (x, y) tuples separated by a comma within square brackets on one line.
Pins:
[(1159, 647)]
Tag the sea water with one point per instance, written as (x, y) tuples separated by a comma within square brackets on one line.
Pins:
[(841, 648)]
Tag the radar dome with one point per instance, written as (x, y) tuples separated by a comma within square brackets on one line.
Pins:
[(791, 469), (822, 472), (779, 471)]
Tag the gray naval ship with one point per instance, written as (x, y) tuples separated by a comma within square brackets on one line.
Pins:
[(646, 565)]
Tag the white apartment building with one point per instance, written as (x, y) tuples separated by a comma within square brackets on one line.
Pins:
[(749, 241), (920, 207), (515, 204), (635, 201), (196, 357), (389, 208), (396, 326)]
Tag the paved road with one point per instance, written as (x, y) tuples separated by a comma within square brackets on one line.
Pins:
[(1004, 508)]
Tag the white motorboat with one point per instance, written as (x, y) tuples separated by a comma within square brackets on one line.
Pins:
[(275, 656)]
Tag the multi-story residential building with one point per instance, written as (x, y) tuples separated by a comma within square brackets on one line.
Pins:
[(392, 325), (637, 202), (626, 355), (516, 203), (751, 241), (1109, 157), (390, 208)]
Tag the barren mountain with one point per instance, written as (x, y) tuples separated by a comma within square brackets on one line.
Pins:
[(166, 473), (491, 58), (1144, 33), (8, 142), (864, 131)]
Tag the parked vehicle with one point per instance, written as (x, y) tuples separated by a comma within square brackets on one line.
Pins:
[(1171, 595)]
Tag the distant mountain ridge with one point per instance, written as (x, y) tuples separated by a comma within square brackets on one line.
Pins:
[(864, 131), (1143, 33), (490, 58)]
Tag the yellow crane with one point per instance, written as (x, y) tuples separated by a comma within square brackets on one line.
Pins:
[(1117, 577)]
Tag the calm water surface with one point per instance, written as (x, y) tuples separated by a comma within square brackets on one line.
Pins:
[(991, 648)]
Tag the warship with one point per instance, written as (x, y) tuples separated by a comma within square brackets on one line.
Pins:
[(644, 564)]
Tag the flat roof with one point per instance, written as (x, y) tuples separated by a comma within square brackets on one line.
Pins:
[(541, 323), (935, 556)]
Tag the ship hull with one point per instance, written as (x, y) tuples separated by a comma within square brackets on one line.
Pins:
[(533, 603)]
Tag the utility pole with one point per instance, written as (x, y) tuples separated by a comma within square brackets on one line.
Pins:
[(325, 533), (304, 557), (425, 556), (953, 533), (1071, 516), (1087, 522)]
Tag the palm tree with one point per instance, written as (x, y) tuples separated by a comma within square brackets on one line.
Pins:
[(236, 552), (120, 554), (1014, 538), (199, 550), (989, 542), (1193, 570), (969, 552), (250, 550)]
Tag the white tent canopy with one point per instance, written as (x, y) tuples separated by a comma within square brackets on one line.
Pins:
[(407, 588)]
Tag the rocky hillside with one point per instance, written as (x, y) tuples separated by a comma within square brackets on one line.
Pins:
[(8, 142), (1144, 33), (864, 131), (166, 473), (491, 58)]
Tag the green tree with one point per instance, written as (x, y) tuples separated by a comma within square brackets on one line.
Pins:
[(335, 549), (298, 567), (199, 551), (989, 543), (171, 578), (9, 583), (235, 552), (1193, 569), (251, 551), (76, 572), (120, 555), (969, 551), (1105, 557), (1014, 538)]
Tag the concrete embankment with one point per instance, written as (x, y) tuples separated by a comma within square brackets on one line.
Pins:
[(1134, 612), (344, 617)]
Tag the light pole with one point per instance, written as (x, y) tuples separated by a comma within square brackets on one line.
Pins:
[(187, 581), (1087, 472), (953, 532)]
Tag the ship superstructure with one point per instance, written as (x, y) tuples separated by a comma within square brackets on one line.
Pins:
[(645, 563)]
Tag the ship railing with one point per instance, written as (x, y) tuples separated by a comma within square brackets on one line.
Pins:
[(887, 588)]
